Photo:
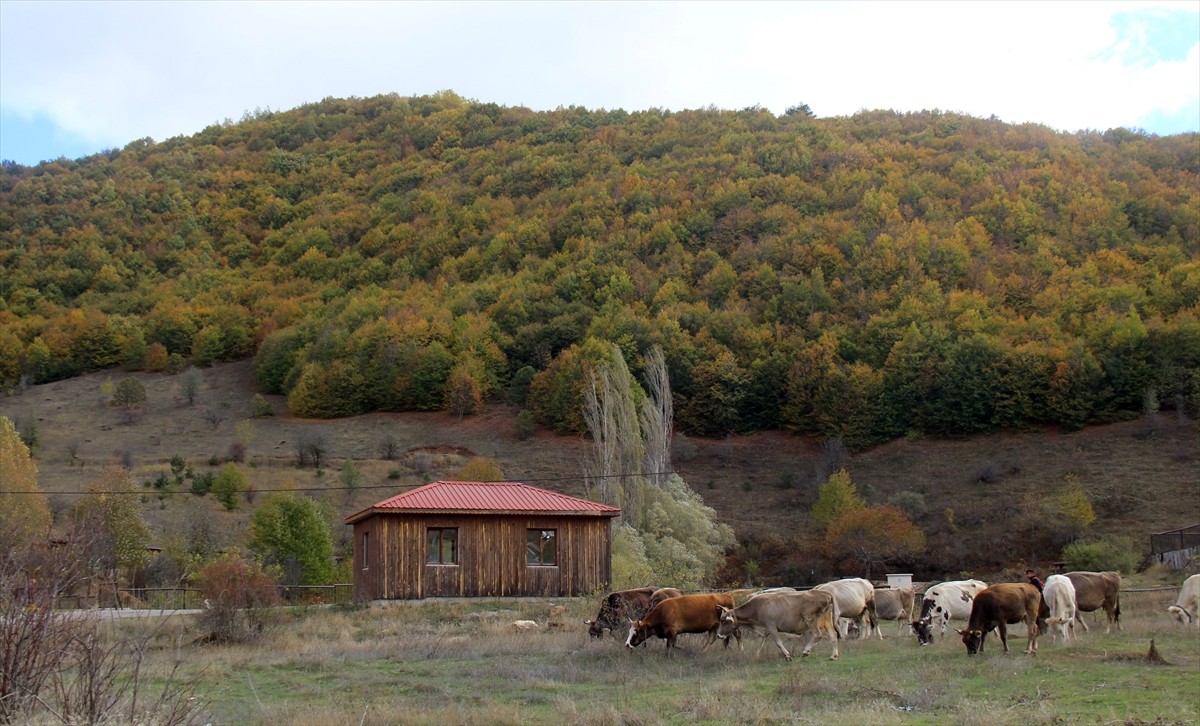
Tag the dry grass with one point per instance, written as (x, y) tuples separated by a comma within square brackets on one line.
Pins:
[(763, 485)]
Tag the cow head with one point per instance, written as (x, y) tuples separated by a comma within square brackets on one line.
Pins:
[(973, 639), (1181, 615), (637, 634), (595, 629), (923, 629), (727, 625)]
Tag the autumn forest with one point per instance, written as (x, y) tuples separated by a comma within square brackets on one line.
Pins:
[(863, 278)]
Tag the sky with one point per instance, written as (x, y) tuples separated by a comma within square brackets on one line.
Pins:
[(77, 78)]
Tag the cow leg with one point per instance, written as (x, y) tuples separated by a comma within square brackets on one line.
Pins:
[(712, 636), (1079, 619), (779, 643), (1002, 630)]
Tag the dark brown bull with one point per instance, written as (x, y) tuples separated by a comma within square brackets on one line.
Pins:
[(685, 614), (619, 608), (999, 606), (1097, 590)]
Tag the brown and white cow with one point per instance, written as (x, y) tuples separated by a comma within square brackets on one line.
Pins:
[(618, 608), (893, 604), (767, 615), (942, 603), (1096, 590), (855, 600), (1187, 608), (670, 618), (1058, 595), (999, 606)]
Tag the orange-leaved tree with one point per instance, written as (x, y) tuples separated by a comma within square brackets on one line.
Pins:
[(874, 536)]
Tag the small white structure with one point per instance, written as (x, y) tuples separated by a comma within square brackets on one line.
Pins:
[(899, 579)]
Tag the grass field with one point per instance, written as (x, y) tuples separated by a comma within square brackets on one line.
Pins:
[(463, 663)]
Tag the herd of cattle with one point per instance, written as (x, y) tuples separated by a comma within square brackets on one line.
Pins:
[(833, 610)]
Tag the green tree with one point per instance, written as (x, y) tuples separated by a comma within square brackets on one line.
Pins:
[(228, 484), (836, 498), (24, 517), (349, 476), (113, 513), (128, 395), (290, 531)]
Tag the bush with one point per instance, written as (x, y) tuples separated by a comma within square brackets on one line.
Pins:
[(261, 407), (1108, 553), (238, 595)]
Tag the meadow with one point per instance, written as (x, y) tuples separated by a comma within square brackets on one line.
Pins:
[(462, 662)]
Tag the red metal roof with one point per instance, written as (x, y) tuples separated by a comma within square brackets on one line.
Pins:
[(468, 496)]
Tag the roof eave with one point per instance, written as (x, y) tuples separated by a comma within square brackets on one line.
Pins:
[(353, 518)]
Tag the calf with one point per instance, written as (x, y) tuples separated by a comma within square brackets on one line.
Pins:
[(893, 604), (618, 608), (1186, 607), (942, 603), (999, 606), (1096, 590), (784, 612), (1058, 596), (685, 614)]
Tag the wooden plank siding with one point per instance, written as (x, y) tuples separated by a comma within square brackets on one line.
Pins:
[(491, 556)]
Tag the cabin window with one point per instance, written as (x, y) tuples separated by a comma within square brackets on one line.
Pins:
[(443, 545), (366, 549), (540, 547)]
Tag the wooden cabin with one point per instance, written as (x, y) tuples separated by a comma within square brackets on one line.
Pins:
[(471, 539)]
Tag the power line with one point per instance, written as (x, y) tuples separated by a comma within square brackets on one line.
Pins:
[(353, 488)]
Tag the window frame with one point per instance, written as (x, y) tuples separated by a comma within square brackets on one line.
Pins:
[(433, 554), (535, 548)]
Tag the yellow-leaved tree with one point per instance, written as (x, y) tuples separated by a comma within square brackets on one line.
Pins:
[(24, 511)]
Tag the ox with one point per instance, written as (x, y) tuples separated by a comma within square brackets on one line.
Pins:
[(1096, 590), (1187, 608), (618, 608), (1058, 596), (855, 599), (685, 614), (998, 607), (893, 604), (942, 603), (793, 612)]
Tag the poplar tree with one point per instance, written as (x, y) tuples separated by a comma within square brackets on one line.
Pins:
[(24, 516)]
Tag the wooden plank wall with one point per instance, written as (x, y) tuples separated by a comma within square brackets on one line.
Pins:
[(491, 557)]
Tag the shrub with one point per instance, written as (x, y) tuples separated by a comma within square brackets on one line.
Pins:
[(261, 407), (911, 503), (525, 425), (202, 483), (1108, 553), (238, 595), (229, 482)]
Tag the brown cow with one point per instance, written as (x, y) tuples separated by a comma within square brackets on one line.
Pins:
[(684, 614), (663, 593), (999, 606), (618, 608), (1096, 590), (813, 612)]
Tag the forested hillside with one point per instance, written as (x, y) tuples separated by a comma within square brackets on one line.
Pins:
[(864, 278)]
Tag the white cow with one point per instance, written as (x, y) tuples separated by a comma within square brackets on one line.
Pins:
[(1187, 606), (945, 602), (1059, 596), (855, 597)]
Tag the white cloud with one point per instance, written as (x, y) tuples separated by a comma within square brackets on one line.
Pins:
[(118, 71)]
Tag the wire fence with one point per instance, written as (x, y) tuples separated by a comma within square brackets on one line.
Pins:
[(189, 598)]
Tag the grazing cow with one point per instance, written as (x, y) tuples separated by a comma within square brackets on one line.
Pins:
[(998, 607), (685, 614), (618, 608), (1187, 608), (893, 604), (661, 594), (1058, 596), (855, 599), (1096, 590), (770, 614), (942, 603)]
